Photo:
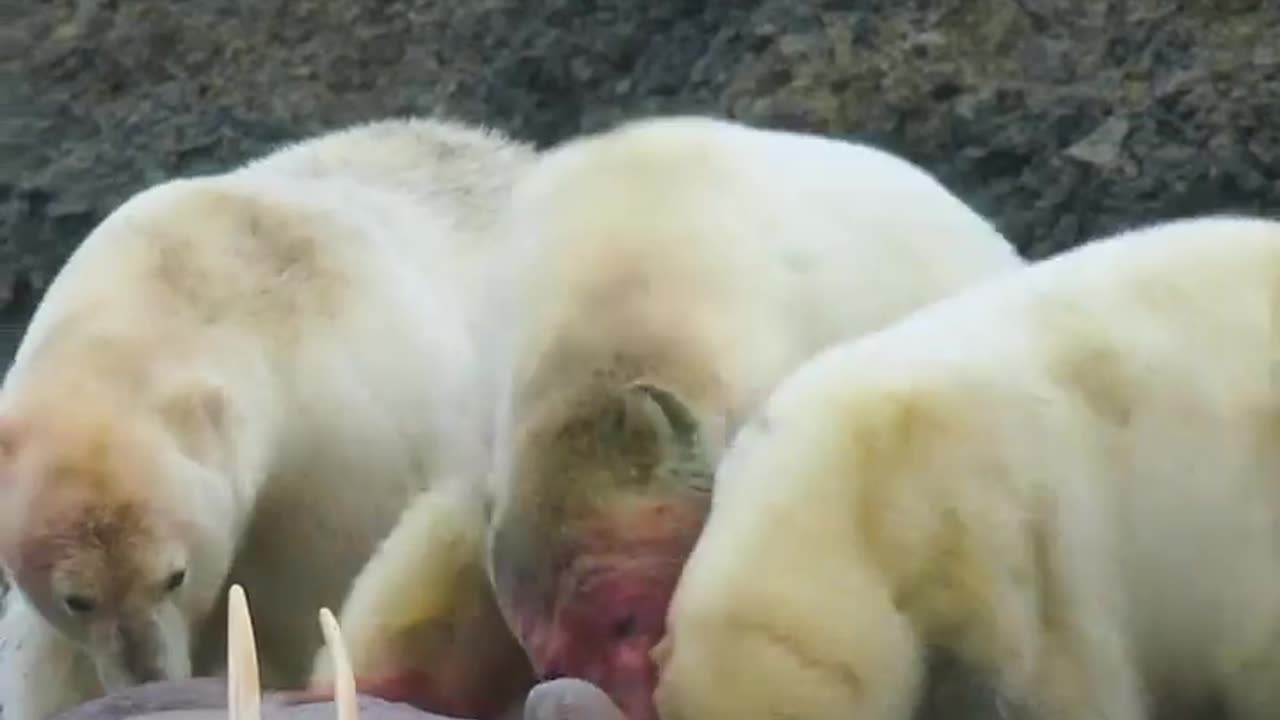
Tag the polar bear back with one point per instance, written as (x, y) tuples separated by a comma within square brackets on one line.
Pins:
[(1133, 380), (751, 248), (270, 264), (457, 173)]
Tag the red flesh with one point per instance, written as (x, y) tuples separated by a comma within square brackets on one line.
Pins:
[(611, 603)]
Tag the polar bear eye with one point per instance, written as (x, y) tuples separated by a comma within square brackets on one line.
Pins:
[(175, 580), (79, 604)]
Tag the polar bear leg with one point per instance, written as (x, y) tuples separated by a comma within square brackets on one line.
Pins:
[(41, 672), (823, 647), (1251, 687), (421, 622)]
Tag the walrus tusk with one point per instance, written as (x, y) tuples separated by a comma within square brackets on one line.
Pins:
[(244, 689), (344, 678)]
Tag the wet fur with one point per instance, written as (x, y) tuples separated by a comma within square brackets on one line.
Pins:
[(291, 342), (665, 274), (1065, 478)]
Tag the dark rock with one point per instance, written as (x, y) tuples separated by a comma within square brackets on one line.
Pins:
[(1060, 119)]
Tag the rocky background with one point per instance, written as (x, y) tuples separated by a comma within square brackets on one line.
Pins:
[(1059, 118)]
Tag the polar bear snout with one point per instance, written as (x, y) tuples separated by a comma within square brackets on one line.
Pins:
[(588, 595), (602, 625), (137, 650)]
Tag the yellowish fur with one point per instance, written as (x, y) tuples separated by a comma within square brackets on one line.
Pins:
[(246, 375), (704, 255), (1067, 477), (709, 253)]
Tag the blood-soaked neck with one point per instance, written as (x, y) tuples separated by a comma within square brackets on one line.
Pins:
[(613, 583)]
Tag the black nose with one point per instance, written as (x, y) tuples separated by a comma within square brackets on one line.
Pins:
[(141, 657)]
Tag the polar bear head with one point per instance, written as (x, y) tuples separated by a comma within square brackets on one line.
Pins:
[(105, 526), (606, 494)]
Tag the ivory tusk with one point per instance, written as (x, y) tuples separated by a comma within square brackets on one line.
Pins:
[(344, 680), (244, 690)]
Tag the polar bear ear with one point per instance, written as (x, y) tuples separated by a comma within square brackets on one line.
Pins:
[(196, 411), (680, 431)]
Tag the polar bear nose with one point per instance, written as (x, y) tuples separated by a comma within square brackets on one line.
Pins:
[(140, 653)]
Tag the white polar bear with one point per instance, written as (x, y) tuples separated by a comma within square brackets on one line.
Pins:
[(664, 274), (1068, 478), (241, 378)]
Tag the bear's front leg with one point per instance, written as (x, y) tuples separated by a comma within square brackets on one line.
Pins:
[(41, 672), (772, 650), (421, 622)]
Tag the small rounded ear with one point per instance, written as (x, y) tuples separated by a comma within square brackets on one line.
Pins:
[(676, 424), (196, 411), (661, 411)]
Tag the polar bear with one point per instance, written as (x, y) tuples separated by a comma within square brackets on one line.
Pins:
[(663, 275), (1068, 477), (241, 377)]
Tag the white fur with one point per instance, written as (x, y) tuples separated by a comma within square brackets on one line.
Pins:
[(757, 246), (1068, 477), (349, 374)]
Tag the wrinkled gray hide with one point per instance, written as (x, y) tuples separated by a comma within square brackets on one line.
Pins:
[(206, 699)]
